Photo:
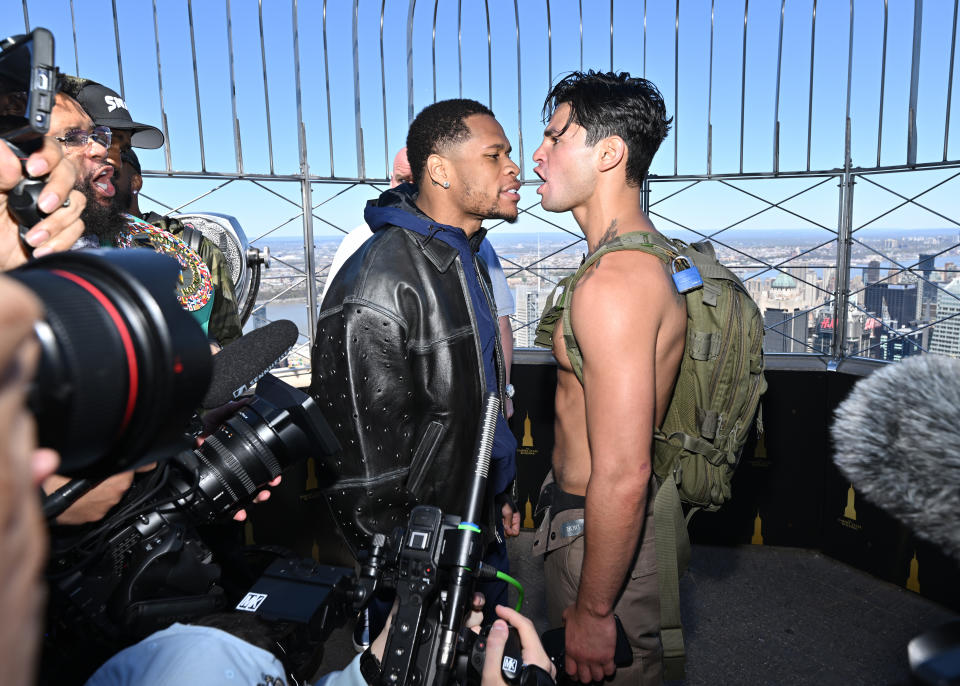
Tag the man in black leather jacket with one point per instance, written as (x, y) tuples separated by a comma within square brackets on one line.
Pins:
[(407, 342)]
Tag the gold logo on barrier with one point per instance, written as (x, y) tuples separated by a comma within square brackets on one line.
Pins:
[(528, 514), (849, 518), (850, 512), (527, 441), (248, 533), (527, 448), (913, 581), (757, 530)]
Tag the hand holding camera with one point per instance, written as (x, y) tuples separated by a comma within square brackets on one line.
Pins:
[(536, 665)]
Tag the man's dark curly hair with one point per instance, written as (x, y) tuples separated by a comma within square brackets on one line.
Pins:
[(608, 104), (72, 85), (437, 127)]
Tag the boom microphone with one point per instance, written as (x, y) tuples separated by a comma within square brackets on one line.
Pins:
[(242, 363), (902, 452)]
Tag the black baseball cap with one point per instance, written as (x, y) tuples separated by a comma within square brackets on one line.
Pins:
[(107, 108)]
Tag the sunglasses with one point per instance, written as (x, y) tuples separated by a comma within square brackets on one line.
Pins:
[(79, 138)]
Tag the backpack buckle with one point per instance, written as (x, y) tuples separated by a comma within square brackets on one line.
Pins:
[(686, 277)]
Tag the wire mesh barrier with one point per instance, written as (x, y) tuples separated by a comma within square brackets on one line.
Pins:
[(810, 141)]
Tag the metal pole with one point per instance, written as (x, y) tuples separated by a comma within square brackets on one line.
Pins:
[(326, 74), (953, 52), (237, 143), (306, 191), (266, 90), (516, 18), (845, 232), (710, 93), (410, 9), (163, 110), (813, 42), (361, 163), (116, 39), (196, 85), (914, 84)]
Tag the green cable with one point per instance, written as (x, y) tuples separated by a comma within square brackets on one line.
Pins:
[(516, 584)]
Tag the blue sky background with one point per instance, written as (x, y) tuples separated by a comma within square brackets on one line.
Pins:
[(644, 42)]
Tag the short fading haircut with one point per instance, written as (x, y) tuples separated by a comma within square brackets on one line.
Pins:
[(609, 104), (437, 127)]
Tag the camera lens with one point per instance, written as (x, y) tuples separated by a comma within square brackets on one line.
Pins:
[(122, 365), (281, 426)]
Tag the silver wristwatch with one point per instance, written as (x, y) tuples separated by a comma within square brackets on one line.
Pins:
[(509, 390)]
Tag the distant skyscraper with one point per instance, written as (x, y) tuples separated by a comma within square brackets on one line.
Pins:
[(902, 302), (872, 272), (896, 301), (873, 298), (895, 345), (528, 313), (946, 334), (823, 332), (926, 304), (785, 331)]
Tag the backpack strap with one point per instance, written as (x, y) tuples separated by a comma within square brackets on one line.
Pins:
[(645, 241), (673, 555), (551, 314)]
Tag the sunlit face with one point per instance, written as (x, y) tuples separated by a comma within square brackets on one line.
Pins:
[(397, 176), (120, 143), (95, 172), (483, 177), (565, 163)]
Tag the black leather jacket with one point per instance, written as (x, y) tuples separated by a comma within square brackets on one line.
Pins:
[(396, 369)]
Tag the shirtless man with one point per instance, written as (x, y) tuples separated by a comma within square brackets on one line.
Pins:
[(630, 326)]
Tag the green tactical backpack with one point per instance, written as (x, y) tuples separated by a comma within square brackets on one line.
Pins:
[(714, 402)]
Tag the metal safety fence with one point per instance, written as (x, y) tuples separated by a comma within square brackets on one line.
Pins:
[(810, 141)]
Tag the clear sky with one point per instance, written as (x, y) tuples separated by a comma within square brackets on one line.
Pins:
[(644, 42)]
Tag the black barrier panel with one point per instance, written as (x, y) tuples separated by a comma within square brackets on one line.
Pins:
[(864, 536), (298, 518), (532, 424), (778, 486), (786, 491)]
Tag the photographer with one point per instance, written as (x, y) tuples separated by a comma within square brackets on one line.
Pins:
[(23, 538), (213, 656), (58, 231)]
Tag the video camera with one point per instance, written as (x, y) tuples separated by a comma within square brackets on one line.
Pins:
[(432, 565), (27, 68), (121, 371)]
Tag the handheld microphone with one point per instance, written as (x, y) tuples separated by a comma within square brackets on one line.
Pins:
[(245, 361), (897, 439), (468, 552)]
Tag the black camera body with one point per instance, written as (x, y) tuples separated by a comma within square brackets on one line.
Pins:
[(417, 562), (27, 67), (145, 565)]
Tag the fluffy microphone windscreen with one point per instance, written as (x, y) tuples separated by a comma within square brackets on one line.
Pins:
[(241, 363), (897, 439)]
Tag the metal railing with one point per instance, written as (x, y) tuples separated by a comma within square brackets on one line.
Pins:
[(321, 93)]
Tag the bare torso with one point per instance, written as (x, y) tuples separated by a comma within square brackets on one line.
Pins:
[(571, 452)]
